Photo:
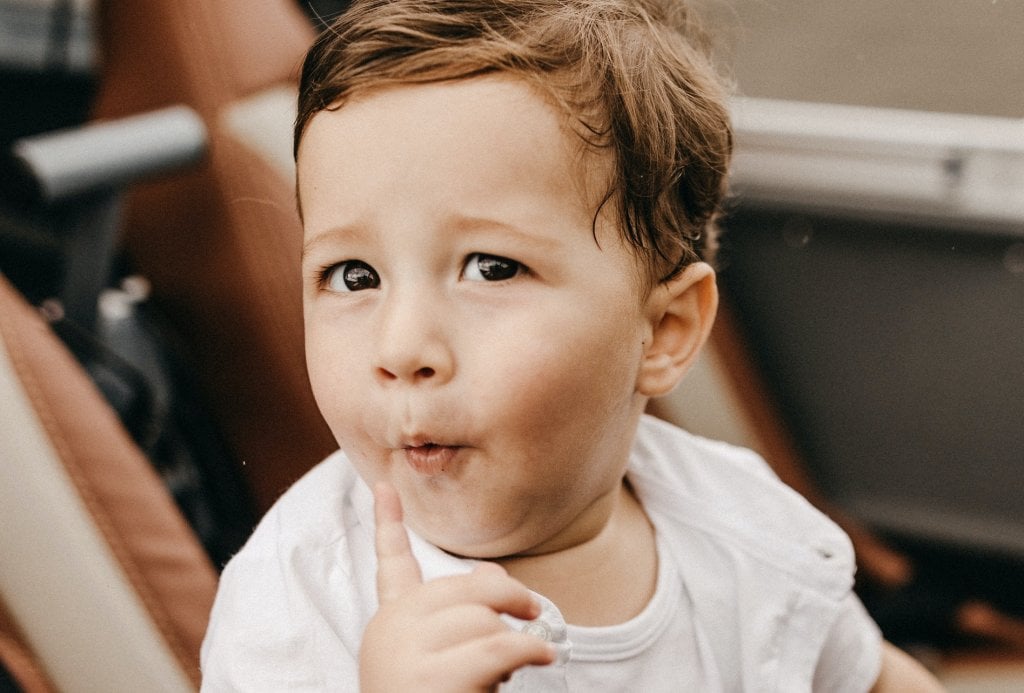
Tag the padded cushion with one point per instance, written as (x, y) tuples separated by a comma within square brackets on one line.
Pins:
[(17, 661), (221, 243), (100, 571)]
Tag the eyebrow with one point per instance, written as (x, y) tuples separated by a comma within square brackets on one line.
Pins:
[(485, 224), (466, 224), (330, 235)]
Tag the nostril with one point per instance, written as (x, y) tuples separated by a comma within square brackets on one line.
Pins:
[(388, 374)]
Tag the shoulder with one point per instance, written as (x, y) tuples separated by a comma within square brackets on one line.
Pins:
[(270, 618), (317, 519), (731, 495), (767, 573), (668, 449), (309, 509), (318, 524)]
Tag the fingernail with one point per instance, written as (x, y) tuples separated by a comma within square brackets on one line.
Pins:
[(535, 608), (552, 652)]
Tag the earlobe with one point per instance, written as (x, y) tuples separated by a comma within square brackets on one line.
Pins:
[(682, 311)]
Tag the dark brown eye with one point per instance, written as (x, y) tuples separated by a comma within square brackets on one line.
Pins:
[(352, 276), (490, 268)]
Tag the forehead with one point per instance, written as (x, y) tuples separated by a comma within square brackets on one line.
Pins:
[(497, 129)]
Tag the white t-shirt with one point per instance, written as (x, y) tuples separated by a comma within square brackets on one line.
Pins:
[(753, 590)]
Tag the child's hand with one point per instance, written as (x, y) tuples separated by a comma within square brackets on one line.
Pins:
[(444, 635)]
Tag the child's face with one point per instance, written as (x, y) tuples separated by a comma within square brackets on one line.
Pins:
[(467, 337)]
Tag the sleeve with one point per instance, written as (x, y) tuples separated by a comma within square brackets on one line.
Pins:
[(851, 657)]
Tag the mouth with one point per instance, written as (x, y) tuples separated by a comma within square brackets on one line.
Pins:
[(430, 459)]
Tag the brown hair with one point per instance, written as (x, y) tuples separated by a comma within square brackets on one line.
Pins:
[(634, 75)]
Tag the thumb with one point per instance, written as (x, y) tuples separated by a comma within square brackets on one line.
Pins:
[(397, 569)]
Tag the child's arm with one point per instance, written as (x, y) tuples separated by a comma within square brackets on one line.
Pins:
[(445, 634), (903, 674)]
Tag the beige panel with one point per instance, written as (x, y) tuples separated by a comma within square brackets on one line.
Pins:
[(57, 576)]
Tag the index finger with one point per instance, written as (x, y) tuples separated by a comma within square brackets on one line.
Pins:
[(397, 569)]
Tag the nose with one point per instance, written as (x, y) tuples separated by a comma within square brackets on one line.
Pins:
[(412, 341)]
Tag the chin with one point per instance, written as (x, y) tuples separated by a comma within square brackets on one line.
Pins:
[(474, 547)]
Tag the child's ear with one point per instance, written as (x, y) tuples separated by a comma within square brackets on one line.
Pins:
[(682, 311)]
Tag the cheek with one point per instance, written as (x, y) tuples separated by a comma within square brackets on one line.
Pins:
[(567, 384), (343, 408), (328, 363)]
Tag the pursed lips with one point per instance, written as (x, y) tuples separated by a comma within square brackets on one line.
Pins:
[(430, 458)]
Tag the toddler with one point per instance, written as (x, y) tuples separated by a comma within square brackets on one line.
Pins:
[(508, 214)]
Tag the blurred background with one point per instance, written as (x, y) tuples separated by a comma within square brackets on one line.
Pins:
[(947, 56), (871, 269), (871, 342)]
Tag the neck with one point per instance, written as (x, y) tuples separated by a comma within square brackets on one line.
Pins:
[(607, 579)]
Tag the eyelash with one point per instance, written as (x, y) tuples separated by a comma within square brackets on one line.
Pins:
[(325, 275)]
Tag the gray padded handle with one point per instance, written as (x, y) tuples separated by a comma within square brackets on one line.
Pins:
[(106, 155)]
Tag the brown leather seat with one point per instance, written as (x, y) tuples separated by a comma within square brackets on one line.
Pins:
[(103, 586), (221, 243)]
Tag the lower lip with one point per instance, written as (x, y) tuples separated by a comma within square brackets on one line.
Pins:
[(431, 460)]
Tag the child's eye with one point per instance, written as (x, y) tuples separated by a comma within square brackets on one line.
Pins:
[(490, 268), (353, 275)]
